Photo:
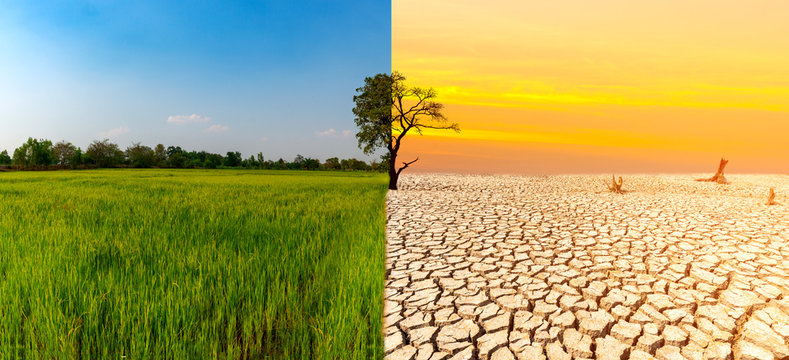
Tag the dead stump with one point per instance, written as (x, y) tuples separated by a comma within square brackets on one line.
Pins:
[(718, 177), (615, 186), (771, 197)]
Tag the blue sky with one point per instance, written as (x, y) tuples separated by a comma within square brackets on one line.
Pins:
[(276, 77)]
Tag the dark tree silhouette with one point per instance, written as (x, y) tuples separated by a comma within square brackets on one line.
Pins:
[(387, 109), (233, 159), (5, 159)]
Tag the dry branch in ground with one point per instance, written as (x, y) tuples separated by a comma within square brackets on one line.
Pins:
[(718, 177), (771, 197), (616, 186)]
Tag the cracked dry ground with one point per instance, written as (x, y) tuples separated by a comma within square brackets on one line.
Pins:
[(484, 267)]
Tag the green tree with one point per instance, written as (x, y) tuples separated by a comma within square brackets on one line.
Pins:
[(140, 156), (384, 164), (310, 164), (175, 157), (34, 153), (104, 153), (212, 161), (332, 164), (172, 150), (160, 155), (20, 156), (77, 159), (233, 159), (387, 109), (177, 160), (298, 160), (63, 152), (377, 166), (4, 158), (356, 164)]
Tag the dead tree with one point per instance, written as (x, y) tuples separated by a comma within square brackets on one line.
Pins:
[(718, 177), (615, 186), (771, 197)]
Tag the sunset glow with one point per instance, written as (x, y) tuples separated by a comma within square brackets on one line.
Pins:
[(578, 86)]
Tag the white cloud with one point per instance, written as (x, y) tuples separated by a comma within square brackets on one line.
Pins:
[(115, 132), (187, 119), (334, 133), (216, 128), (327, 133)]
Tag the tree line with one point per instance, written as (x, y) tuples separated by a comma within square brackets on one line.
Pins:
[(37, 154)]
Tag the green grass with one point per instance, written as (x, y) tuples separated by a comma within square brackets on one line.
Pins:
[(191, 264)]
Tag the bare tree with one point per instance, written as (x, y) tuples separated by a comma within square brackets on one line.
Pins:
[(414, 109)]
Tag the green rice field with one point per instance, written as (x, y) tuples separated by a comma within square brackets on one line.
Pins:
[(191, 264)]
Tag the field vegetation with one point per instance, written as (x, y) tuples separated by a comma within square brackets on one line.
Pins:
[(191, 264)]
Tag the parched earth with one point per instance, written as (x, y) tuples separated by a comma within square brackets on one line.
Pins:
[(501, 267)]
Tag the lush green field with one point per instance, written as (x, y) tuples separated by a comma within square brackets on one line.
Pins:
[(191, 264)]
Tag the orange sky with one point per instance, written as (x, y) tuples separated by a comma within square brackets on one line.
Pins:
[(598, 87)]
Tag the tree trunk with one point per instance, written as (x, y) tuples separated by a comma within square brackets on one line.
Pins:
[(718, 177), (393, 175), (393, 180), (771, 197)]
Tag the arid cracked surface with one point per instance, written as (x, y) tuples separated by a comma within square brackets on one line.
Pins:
[(484, 267)]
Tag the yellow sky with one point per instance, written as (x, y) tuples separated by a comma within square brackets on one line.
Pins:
[(586, 86)]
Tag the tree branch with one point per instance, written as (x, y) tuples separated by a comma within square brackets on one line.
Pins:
[(402, 134), (453, 126), (413, 108), (405, 165), (400, 110)]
